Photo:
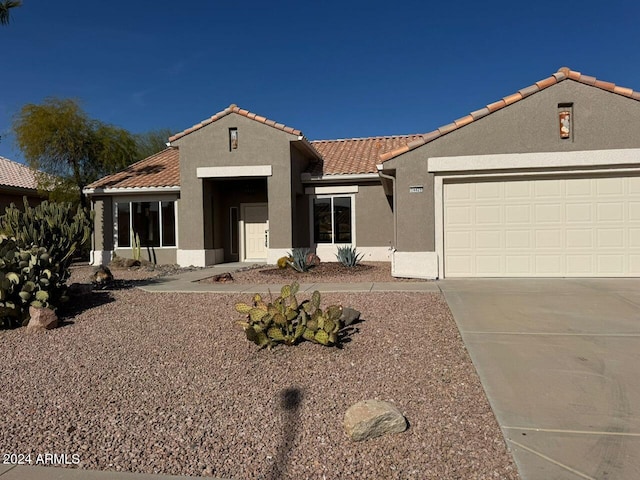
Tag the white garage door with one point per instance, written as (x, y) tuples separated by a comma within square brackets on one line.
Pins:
[(578, 227)]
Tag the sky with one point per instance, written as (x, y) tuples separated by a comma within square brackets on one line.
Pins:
[(331, 69)]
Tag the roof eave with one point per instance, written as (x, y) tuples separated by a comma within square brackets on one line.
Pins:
[(130, 190)]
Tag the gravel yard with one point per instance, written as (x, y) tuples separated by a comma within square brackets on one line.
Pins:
[(166, 383), (324, 273)]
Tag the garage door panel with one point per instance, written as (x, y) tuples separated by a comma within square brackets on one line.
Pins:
[(579, 265), (609, 186), (551, 213), (610, 212), (548, 189), (543, 227), (610, 237), (577, 238), (578, 212)]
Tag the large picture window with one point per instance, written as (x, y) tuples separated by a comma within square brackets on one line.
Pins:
[(153, 222), (332, 220)]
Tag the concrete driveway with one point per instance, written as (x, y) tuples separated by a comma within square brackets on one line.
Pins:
[(559, 360)]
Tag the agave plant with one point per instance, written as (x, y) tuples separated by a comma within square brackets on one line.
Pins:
[(348, 256)]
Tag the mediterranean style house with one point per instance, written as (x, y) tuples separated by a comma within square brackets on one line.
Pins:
[(544, 182)]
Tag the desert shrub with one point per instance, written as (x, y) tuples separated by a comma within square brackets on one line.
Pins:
[(286, 321), (283, 262), (28, 277), (302, 259), (58, 227), (348, 256)]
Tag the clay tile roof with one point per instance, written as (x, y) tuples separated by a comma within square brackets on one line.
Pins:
[(13, 174), (245, 113), (355, 155), (159, 170), (561, 75)]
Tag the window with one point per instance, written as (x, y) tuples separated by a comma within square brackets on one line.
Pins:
[(332, 220), (153, 222)]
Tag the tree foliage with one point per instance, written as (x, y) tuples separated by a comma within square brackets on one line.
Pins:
[(57, 137), (5, 7), (151, 142)]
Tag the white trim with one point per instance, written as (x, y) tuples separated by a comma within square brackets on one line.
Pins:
[(235, 171), (331, 190), (584, 158), (199, 258), (414, 265), (100, 257), (130, 190), (339, 177), (327, 252), (273, 254)]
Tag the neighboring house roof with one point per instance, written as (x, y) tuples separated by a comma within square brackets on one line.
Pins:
[(355, 155), (16, 175), (245, 113), (562, 74), (159, 170)]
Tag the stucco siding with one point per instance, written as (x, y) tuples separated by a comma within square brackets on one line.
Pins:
[(601, 120), (258, 144), (160, 256), (374, 217)]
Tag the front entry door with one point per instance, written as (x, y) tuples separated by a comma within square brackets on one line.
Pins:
[(256, 231)]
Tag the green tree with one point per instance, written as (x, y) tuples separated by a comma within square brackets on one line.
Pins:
[(5, 6), (59, 139), (151, 142)]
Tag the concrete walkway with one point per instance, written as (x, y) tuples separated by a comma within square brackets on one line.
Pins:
[(559, 360), (188, 282)]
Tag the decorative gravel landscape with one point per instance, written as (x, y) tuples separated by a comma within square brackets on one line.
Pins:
[(166, 383), (326, 272)]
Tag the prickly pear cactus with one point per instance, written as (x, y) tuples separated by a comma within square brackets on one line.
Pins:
[(285, 320)]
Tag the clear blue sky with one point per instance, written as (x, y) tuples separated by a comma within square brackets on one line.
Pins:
[(333, 69)]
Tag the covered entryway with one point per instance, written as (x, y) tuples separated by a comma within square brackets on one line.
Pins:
[(255, 230), (572, 226)]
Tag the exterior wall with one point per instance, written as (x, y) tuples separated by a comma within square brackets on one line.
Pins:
[(373, 234), (161, 256), (9, 196), (299, 202), (601, 120), (374, 217), (258, 144)]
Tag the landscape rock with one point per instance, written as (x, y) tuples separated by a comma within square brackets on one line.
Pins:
[(41, 319), (373, 418), (222, 278), (349, 316), (102, 276), (130, 262)]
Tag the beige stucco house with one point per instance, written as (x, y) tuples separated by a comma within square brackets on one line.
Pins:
[(545, 182)]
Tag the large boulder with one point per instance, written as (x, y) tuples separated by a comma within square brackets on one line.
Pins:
[(373, 418), (41, 319)]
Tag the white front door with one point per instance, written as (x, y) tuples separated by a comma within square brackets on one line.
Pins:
[(255, 219)]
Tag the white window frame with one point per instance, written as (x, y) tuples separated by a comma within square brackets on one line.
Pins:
[(353, 219), (137, 200)]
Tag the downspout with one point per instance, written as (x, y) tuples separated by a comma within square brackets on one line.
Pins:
[(395, 210)]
